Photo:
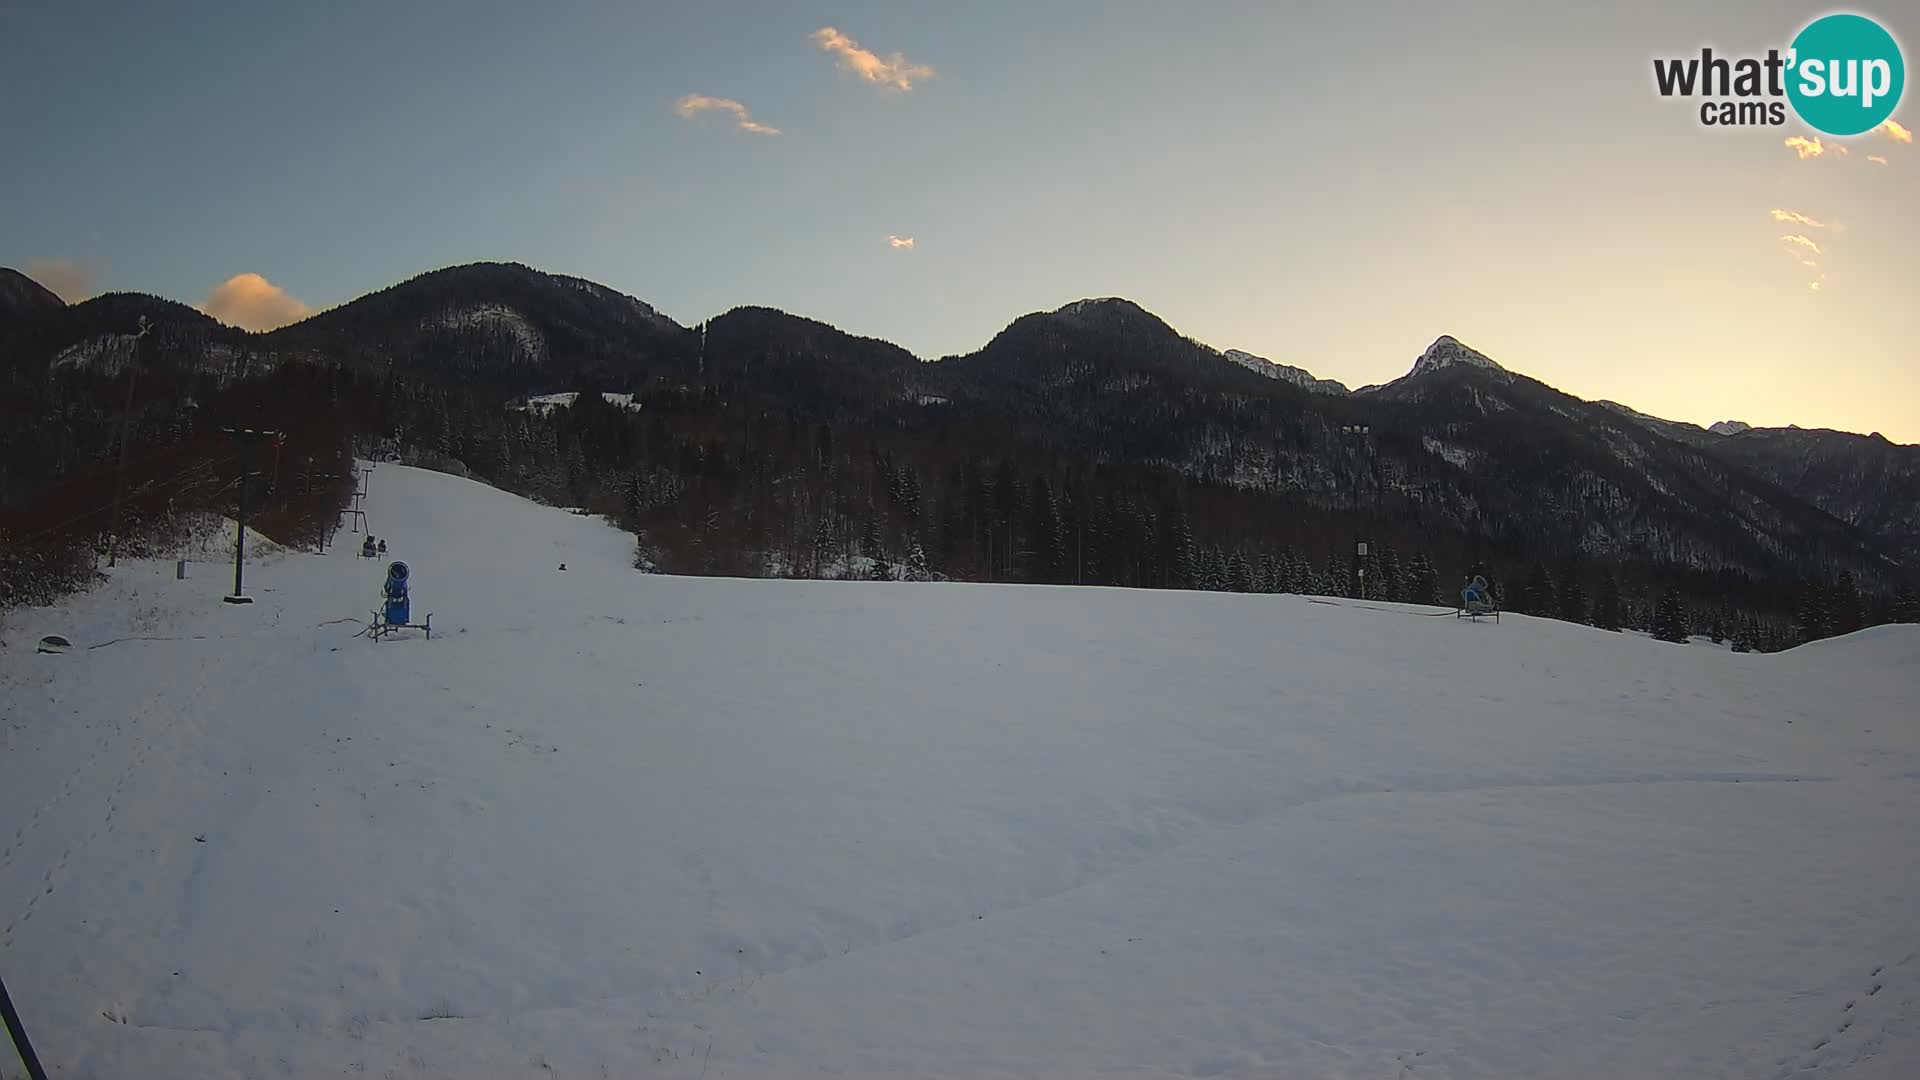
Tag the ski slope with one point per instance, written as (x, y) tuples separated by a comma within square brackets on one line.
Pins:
[(614, 824)]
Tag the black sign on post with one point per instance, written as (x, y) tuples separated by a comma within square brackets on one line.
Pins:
[(248, 438)]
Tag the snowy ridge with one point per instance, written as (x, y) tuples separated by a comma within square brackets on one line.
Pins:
[(639, 306), (1300, 377), (614, 823), (1446, 352), (1730, 427), (1093, 305)]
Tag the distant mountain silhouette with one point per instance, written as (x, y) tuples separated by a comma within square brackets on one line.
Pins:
[(1461, 457)]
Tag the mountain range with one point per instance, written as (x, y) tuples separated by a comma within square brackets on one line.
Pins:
[(1460, 453)]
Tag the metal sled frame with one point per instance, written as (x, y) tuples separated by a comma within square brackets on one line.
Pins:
[(380, 628)]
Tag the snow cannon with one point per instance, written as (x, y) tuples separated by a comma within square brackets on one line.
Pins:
[(399, 606)]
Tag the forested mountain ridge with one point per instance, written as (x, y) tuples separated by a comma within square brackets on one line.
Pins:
[(1092, 443)]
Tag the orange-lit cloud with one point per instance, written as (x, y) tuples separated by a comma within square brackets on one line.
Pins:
[(889, 73), (1797, 219), (64, 278), (900, 241), (1813, 286), (251, 302), (1800, 241), (1805, 147), (1813, 148), (1895, 132), (694, 104), (1876, 159)]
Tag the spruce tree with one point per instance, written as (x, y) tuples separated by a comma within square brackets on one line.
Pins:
[(1670, 619), (1423, 581), (870, 544), (1573, 596), (917, 568), (1906, 605), (1811, 617), (1239, 574), (1537, 595), (1607, 613), (1269, 579), (1847, 616)]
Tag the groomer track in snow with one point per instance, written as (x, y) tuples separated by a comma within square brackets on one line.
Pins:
[(606, 823)]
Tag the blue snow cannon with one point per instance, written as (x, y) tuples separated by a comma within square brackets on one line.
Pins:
[(399, 607)]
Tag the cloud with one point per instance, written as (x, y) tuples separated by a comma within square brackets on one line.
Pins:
[(1876, 159), (693, 104), (1895, 132), (1797, 219), (251, 302), (889, 73), (1800, 241), (64, 278), (1812, 148), (900, 241), (1805, 147), (1813, 286)]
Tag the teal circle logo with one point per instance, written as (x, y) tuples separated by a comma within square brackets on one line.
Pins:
[(1845, 74)]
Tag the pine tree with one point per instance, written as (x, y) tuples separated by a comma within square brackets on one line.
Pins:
[(1239, 574), (1386, 567), (917, 569), (1573, 597), (1537, 595), (1743, 637), (881, 570), (1269, 578), (1183, 571), (1847, 616), (1423, 581), (1670, 619), (1811, 614), (1607, 613), (1906, 605)]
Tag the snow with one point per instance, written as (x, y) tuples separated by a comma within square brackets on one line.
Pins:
[(1446, 352), (1455, 455), (1730, 427), (1301, 377), (613, 823), (533, 347), (546, 403)]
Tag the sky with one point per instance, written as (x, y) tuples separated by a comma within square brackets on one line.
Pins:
[(1331, 186)]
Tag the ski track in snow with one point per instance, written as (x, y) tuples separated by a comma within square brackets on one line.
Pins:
[(610, 823)]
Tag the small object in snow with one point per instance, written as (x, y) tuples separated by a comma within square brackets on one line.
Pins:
[(199, 838), (563, 566), (54, 643)]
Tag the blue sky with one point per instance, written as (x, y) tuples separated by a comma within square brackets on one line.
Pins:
[(1328, 185)]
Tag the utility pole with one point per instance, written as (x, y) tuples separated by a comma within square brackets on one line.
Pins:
[(248, 438), (1363, 433), (126, 414), (19, 1032)]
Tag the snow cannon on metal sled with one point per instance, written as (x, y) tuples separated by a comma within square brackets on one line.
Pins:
[(1476, 600), (396, 611)]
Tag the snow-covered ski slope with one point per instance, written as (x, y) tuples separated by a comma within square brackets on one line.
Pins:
[(612, 824)]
